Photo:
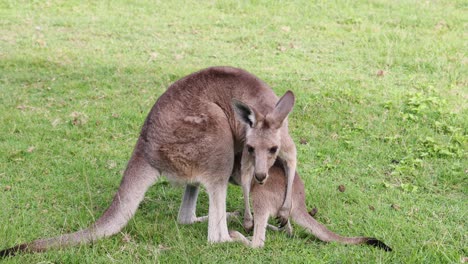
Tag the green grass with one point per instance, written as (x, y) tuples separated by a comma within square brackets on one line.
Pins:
[(78, 78)]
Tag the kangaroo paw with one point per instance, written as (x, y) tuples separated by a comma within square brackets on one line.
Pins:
[(283, 216), (248, 225), (282, 222), (286, 228)]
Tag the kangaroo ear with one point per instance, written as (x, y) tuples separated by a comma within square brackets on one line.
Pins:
[(244, 112), (281, 111)]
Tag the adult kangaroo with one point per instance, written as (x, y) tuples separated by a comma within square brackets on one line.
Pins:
[(267, 200), (191, 135)]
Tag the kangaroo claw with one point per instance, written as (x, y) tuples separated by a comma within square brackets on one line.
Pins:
[(248, 225), (282, 222), (283, 215)]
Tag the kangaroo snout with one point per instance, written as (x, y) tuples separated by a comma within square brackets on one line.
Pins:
[(261, 177)]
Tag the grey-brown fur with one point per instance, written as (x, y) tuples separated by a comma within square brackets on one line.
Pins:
[(267, 200), (192, 135)]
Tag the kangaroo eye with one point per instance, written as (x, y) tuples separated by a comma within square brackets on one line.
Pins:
[(250, 149), (273, 150)]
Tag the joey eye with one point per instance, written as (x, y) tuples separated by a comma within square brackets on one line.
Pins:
[(273, 150), (250, 149)]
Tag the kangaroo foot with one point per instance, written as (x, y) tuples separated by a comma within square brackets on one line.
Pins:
[(238, 237), (204, 218)]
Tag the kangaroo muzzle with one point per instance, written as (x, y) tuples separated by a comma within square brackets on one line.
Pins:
[(261, 177)]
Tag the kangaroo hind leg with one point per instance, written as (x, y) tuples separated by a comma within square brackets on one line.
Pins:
[(217, 222), (187, 211)]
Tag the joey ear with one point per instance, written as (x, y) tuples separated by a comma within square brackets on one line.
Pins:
[(244, 112), (282, 109)]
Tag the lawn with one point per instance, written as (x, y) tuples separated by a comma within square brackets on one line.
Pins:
[(381, 108)]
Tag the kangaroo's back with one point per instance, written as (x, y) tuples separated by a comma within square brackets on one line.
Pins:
[(194, 110), (218, 85)]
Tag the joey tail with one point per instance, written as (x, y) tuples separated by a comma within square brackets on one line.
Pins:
[(138, 177), (304, 219)]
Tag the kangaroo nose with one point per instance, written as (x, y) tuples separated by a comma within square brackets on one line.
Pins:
[(260, 177)]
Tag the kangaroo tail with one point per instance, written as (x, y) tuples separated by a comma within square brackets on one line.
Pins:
[(301, 217), (138, 177)]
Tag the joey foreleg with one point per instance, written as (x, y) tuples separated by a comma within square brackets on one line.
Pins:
[(289, 165), (247, 170)]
